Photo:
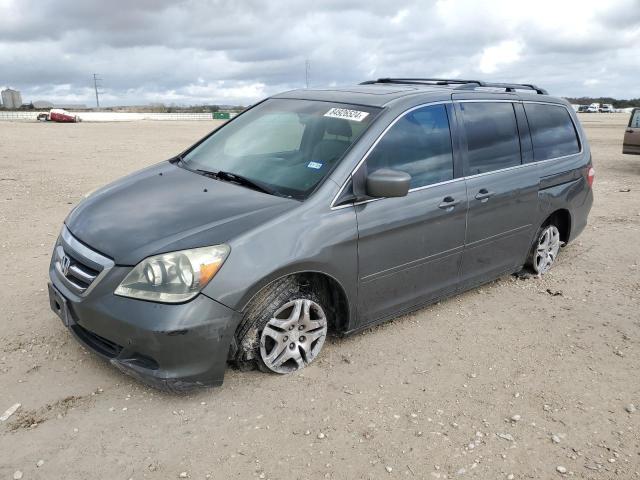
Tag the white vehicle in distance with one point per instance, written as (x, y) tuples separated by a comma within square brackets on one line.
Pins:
[(607, 108), (593, 108)]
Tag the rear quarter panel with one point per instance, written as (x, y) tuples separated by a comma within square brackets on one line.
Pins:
[(566, 190)]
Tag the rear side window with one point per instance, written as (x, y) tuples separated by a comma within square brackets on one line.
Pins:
[(493, 142), (635, 119), (418, 144), (552, 131)]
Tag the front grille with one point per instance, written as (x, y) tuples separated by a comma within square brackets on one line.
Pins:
[(78, 266), (75, 273)]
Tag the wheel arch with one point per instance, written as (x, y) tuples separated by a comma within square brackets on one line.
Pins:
[(337, 298), (561, 218)]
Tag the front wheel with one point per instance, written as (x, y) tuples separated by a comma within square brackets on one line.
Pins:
[(293, 337), (545, 249), (283, 329)]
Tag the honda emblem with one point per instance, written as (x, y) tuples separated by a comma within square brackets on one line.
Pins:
[(65, 263)]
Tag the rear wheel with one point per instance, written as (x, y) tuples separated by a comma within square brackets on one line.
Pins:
[(284, 328), (545, 249)]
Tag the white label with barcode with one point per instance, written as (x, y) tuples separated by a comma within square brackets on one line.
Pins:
[(353, 115)]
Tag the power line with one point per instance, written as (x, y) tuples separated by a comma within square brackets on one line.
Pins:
[(96, 81)]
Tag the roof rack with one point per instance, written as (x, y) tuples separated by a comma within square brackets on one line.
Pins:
[(460, 84)]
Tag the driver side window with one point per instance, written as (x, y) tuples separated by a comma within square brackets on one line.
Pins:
[(419, 144)]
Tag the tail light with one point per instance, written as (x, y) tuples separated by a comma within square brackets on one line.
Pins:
[(591, 175)]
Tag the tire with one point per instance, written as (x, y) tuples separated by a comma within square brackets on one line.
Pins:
[(545, 248), (270, 339)]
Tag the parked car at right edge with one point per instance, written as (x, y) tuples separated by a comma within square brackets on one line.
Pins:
[(631, 143)]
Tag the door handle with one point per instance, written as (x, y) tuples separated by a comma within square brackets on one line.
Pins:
[(448, 203), (483, 195), (629, 130)]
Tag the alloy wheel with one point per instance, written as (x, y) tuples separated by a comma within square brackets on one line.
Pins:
[(547, 249)]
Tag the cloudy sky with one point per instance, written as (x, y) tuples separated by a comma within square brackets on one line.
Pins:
[(238, 51)]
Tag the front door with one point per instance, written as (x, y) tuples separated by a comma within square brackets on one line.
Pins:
[(503, 193), (632, 134), (410, 248)]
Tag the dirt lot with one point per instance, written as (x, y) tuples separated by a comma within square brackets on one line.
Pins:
[(520, 377)]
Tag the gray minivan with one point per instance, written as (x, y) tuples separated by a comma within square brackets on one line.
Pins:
[(315, 212)]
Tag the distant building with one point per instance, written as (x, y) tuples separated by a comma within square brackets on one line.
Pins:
[(71, 106), (42, 105), (11, 99)]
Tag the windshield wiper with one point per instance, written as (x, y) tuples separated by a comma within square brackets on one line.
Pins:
[(206, 173), (239, 179), (246, 182)]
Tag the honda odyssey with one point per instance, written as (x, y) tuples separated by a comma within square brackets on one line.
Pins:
[(316, 212)]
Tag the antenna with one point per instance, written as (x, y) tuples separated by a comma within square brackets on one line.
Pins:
[(307, 67), (96, 81)]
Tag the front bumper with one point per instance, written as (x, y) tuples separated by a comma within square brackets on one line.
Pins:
[(169, 346)]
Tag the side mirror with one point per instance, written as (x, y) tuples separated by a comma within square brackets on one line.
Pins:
[(388, 183)]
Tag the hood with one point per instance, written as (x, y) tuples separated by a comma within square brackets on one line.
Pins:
[(166, 208)]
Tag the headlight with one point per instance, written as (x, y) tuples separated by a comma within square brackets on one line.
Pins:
[(173, 277)]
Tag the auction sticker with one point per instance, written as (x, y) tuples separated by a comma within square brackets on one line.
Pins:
[(353, 115)]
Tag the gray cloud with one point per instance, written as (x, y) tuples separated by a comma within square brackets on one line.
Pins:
[(237, 52)]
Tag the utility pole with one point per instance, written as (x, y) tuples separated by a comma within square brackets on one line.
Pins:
[(307, 67), (96, 79)]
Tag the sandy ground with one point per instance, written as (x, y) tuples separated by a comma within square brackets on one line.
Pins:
[(429, 395)]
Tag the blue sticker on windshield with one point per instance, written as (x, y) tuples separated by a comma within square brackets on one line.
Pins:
[(315, 165)]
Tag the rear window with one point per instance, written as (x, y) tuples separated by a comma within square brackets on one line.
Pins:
[(635, 119), (493, 142), (552, 131)]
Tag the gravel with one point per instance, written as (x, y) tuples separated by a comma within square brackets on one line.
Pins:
[(532, 354)]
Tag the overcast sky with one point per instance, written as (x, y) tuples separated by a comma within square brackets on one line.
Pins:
[(236, 52)]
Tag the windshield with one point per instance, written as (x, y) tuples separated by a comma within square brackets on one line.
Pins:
[(286, 146)]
